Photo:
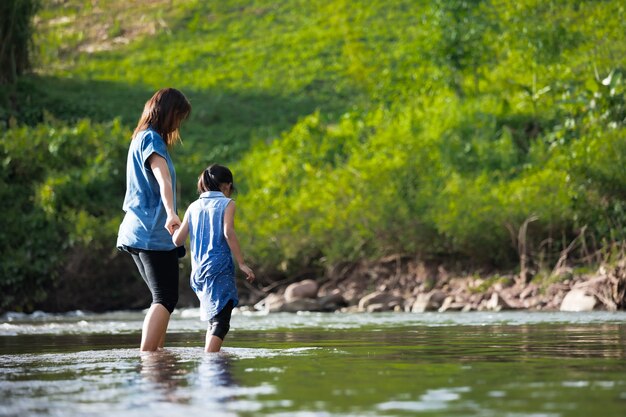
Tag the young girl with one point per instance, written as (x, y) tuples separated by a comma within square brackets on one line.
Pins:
[(210, 223)]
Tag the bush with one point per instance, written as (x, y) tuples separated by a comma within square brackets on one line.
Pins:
[(354, 129), (66, 184)]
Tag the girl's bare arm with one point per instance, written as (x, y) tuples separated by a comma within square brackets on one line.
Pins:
[(180, 234), (233, 242)]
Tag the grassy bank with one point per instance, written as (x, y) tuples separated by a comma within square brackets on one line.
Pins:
[(482, 133)]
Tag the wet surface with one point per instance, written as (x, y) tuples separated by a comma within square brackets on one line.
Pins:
[(466, 364)]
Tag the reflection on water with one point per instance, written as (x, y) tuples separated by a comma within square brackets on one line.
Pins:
[(168, 374), (514, 365), (164, 374), (215, 371)]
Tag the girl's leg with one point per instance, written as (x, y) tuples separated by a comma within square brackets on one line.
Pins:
[(213, 343), (218, 327)]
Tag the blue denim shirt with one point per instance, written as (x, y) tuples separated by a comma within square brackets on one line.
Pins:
[(212, 267), (143, 226)]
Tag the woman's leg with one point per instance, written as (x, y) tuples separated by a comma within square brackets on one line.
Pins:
[(159, 270), (154, 328)]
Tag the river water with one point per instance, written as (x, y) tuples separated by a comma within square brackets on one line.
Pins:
[(512, 364)]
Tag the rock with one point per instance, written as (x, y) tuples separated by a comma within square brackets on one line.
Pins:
[(301, 304), (388, 300), (271, 303), (371, 298), (302, 289), (351, 296), (245, 309), (449, 303), (578, 300), (497, 303), (375, 308), (532, 302), (422, 304), (428, 302), (332, 301), (530, 291), (407, 304)]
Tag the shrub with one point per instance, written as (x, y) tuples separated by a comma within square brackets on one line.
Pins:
[(66, 184)]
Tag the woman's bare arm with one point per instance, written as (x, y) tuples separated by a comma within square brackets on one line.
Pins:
[(159, 168)]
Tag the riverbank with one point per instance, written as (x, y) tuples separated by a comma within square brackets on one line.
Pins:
[(399, 283)]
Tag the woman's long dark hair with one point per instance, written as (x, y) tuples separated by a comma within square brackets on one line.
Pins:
[(164, 112), (214, 176)]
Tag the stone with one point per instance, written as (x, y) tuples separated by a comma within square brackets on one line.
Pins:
[(332, 301), (351, 296), (302, 289), (301, 304), (271, 303), (530, 291), (578, 300), (497, 303), (388, 300), (428, 302), (449, 303), (350, 309), (375, 308), (422, 304)]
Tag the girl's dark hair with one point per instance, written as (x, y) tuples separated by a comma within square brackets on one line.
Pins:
[(164, 112), (212, 177)]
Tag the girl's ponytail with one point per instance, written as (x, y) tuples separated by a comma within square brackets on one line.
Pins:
[(212, 177)]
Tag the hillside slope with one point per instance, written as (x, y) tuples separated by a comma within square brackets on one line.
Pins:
[(475, 133)]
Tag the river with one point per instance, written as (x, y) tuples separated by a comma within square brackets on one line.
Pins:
[(513, 364)]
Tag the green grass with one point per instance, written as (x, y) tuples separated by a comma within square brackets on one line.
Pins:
[(360, 129)]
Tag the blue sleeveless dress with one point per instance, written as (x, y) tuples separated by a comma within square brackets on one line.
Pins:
[(212, 267)]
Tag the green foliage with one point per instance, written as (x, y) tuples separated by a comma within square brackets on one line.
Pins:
[(65, 184), (544, 140), (354, 129)]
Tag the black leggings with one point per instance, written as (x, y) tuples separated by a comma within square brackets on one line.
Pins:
[(159, 269), (219, 325)]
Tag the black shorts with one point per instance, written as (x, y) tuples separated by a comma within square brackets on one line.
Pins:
[(219, 325), (159, 269)]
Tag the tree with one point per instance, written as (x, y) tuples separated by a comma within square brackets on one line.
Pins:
[(15, 37)]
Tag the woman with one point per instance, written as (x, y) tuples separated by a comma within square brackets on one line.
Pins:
[(150, 206)]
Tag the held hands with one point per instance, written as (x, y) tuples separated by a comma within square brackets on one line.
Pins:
[(172, 223), (249, 273)]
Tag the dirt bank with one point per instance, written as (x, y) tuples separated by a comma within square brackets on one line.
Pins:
[(400, 283)]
